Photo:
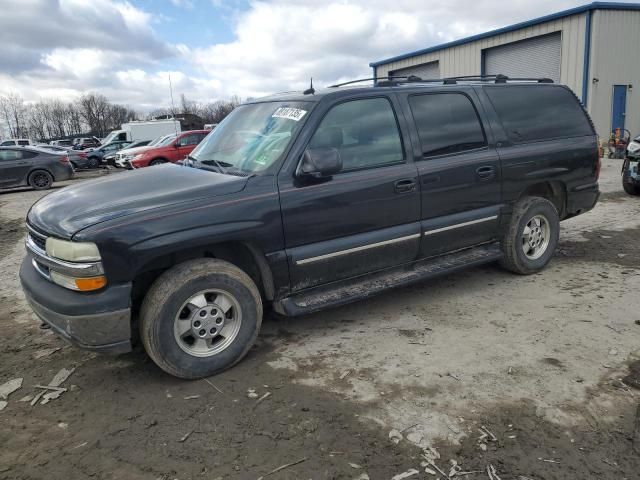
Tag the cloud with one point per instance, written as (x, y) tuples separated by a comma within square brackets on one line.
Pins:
[(182, 4), (66, 47), (279, 45)]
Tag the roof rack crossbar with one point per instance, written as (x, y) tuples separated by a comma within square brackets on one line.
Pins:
[(365, 80)]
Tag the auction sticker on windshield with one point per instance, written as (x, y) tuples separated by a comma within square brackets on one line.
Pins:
[(289, 113)]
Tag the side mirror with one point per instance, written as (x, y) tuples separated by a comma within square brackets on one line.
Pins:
[(319, 163)]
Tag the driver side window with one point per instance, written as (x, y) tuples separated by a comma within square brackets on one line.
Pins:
[(364, 132)]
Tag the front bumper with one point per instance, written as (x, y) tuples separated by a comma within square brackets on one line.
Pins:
[(95, 321)]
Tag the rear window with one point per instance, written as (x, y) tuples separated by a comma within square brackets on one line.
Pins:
[(531, 113), (447, 123)]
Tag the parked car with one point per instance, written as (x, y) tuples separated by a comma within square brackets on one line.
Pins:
[(631, 168), (61, 143), (76, 158), (33, 166), (176, 149), (305, 202), (126, 154), (95, 156), (16, 142), (85, 143), (110, 158)]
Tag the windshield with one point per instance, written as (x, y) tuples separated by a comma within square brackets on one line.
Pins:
[(253, 137)]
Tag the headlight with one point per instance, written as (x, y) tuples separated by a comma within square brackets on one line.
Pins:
[(72, 251), (136, 157)]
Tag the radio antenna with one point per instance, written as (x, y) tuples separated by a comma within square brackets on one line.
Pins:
[(310, 90), (173, 108)]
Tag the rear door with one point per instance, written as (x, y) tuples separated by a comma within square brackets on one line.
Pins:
[(459, 171), (13, 168), (364, 218)]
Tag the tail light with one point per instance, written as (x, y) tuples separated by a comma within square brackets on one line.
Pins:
[(64, 160), (598, 164), (82, 155)]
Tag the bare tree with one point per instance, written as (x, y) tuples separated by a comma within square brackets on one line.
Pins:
[(13, 112)]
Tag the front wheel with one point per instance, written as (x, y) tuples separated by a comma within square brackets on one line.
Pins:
[(93, 162), (200, 318), (531, 237), (157, 161)]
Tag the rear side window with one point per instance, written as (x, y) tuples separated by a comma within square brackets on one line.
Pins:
[(365, 132), (534, 113), (23, 142), (26, 155), (447, 123), (8, 155)]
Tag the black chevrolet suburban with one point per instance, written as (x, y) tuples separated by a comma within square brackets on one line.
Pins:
[(303, 201)]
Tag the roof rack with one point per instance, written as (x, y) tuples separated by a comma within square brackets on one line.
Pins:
[(392, 81)]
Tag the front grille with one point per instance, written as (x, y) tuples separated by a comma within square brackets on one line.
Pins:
[(38, 238)]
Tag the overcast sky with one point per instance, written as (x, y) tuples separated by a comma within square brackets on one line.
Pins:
[(216, 48)]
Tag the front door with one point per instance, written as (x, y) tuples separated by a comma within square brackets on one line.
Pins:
[(619, 108), (362, 219), (459, 172)]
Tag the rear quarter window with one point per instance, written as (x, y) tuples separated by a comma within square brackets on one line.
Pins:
[(531, 113)]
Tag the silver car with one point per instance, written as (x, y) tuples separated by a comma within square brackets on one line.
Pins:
[(33, 166)]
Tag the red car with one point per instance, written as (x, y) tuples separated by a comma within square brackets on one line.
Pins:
[(176, 149)]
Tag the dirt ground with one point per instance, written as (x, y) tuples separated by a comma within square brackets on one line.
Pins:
[(533, 377)]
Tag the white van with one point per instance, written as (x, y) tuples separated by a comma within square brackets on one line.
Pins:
[(13, 142)]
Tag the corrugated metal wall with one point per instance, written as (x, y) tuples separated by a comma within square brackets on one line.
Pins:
[(615, 60), (426, 70), (466, 59), (534, 57)]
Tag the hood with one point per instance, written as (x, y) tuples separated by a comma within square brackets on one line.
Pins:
[(71, 209)]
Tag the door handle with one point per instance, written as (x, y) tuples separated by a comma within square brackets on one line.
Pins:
[(405, 186), (486, 172)]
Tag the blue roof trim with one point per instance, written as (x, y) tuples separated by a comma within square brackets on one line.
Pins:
[(517, 26)]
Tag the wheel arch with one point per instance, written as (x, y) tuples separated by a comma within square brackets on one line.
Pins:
[(553, 190), (245, 255)]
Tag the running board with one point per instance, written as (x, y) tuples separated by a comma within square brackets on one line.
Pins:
[(365, 286)]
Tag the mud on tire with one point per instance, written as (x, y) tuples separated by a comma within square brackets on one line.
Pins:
[(169, 304), (528, 245)]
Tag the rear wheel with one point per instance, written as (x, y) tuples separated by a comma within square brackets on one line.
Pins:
[(531, 237), (40, 180), (200, 318), (93, 162)]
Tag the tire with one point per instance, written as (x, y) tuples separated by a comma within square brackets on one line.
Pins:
[(515, 243), (93, 162), (157, 161), (168, 305), (627, 185), (40, 180)]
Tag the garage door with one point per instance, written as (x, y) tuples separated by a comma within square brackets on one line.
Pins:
[(424, 71), (537, 57)]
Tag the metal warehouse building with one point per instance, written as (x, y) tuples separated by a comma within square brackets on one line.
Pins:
[(593, 49)]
